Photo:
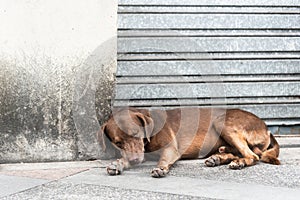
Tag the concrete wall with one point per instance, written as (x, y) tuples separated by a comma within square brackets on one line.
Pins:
[(57, 66)]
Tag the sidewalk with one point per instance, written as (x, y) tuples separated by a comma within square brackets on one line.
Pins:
[(187, 180)]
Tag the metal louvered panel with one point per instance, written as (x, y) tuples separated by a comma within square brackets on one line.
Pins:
[(207, 90), (207, 21), (208, 67), (279, 3), (208, 44), (207, 9), (220, 53)]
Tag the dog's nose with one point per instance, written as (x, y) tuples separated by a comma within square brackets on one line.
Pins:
[(134, 161)]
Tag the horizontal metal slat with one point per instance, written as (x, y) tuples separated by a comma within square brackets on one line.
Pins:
[(213, 2), (208, 33), (204, 67), (208, 101), (208, 56), (207, 10), (207, 90), (203, 21), (283, 122), (269, 112), (195, 44), (205, 79), (272, 111)]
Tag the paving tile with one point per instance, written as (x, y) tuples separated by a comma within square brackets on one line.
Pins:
[(14, 184), (47, 174), (195, 186), (58, 190)]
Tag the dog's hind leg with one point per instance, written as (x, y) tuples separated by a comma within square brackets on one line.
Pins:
[(228, 149), (220, 159), (249, 157), (235, 136)]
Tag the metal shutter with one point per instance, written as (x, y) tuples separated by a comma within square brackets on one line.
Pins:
[(220, 53)]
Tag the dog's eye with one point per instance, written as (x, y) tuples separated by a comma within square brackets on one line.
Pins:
[(135, 133), (119, 144)]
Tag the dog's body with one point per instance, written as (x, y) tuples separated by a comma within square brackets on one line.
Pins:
[(227, 136)]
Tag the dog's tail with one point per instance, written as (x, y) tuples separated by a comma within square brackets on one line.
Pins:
[(272, 153)]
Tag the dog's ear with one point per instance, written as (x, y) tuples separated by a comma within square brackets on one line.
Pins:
[(147, 124), (101, 136), (104, 141)]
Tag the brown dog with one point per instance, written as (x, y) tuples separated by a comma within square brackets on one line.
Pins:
[(233, 137)]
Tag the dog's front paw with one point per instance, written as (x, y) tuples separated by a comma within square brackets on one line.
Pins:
[(159, 172), (235, 164), (212, 161), (115, 168)]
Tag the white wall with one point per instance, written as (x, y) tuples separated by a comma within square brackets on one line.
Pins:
[(60, 28)]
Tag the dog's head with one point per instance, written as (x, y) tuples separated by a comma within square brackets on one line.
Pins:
[(128, 130)]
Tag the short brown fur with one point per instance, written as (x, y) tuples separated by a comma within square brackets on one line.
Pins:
[(232, 136)]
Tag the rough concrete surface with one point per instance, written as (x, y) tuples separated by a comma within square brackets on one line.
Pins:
[(189, 179), (50, 114), (54, 57)]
